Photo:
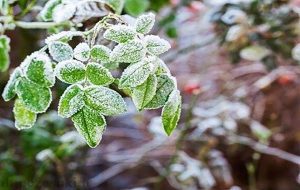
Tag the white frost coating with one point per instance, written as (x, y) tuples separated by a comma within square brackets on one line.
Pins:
[(137, 73), (70, 71), (120, 33), (235, 32), (63, 12), (63, 35), (60, 51), (145, 23), (130, 52), (296, 52), (155, 45), (254, 53), (82, 52)]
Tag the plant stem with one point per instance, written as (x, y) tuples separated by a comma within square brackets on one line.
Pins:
[(40, 25)]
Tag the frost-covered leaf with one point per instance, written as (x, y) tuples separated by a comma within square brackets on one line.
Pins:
[(63, 12), (110, 65), (60, 51), (165, 85), (90, 124), (36, 98), (144, 93), (9, 90), (100, 53), (155, 45), (145, 23), (70, 71), (162, 68), (254, 53), (171, 112), (137, 73), (116, 5), (24, 118), (119, 33), (98, 75), (71, 101), (130, 52), (39, 70), (63, 36), (4, 56), (47, 12), (82, 52), (106, 101)]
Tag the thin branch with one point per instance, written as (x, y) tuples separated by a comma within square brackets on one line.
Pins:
[(40, 25)]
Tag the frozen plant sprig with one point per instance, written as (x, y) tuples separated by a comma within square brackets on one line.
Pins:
[(89, 98)]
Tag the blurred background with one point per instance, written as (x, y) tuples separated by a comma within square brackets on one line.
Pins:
[(237, 66)]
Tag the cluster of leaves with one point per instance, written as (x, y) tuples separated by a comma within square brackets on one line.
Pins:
[(87, 69), (257, 30)]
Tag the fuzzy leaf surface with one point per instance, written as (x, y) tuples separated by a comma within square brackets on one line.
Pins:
[(145, 23), (9, 90), (100, 53), (71, 101), (119, 33), (155, 45), (35, 98), (129, 52), (90, 124), (82, 52), (4, 50), (171, 112), (24, 118), (60, 51), (98, 75), (70, 71), (108, 102)]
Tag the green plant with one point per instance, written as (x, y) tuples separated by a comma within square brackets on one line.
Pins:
[(92, 93)]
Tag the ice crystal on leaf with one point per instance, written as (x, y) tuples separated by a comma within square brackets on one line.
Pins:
[(106, 101), (70, 71), (9, 90), (4, 50), (63, 12), (98, 75), (47, 12), (145, 23), (60, 51), (90, 124), (171, 112), (39, 70), (100, 53), (137, 73), (120, 33), (82, 52), (155, 45), (144, 93), (71, 101), (24, 118), (63, 36), (130, 52), (36, 98), (164, 88)]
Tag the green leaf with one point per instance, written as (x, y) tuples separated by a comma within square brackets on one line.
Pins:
[(155, 45), (70, 71), (4, 7), (24, 118), (165, 85), (71, 101), (162, 68), (116, 5), (100, 53), (136, 7), (9, 90), (98, 75), (106, 101), (137, 73), (90, 124), (119, 33), (60, 51), (144, 93), (36, 98), (171, 112), (47, 12), (82, 52), (145, 23), (4, 50), (130, 52), (39, 70), (110, 65)]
